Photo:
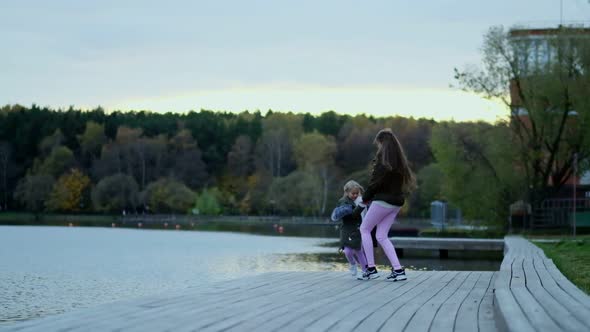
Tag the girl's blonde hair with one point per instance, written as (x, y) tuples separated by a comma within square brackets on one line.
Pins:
[(348, 186)]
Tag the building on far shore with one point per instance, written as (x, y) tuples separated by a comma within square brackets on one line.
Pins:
[(538, 52), (537, 48)]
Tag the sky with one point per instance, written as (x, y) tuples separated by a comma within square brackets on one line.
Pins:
[(380, 58)]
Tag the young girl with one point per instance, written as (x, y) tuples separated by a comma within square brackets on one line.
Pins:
[(391, 179), (350, 237)]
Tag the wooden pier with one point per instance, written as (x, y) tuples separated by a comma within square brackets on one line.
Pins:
[(531, 294), (527, 294)]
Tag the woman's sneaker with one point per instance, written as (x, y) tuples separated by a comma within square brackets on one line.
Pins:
[(397, 275), (371, 273), (353, 270)]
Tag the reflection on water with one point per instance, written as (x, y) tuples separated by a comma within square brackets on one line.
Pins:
[(48, 270)]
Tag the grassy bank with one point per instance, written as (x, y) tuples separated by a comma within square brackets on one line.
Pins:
[(572, 258)]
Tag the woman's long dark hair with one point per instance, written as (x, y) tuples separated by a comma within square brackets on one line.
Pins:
[(391, 155)]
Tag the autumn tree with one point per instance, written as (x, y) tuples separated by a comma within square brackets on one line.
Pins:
[(59, 160), (143, 158), (355, 143), (414, 135), (50, 142), (315, 154), (257, 199), (168, 195), (299, 193), (91, 141), (430, 188), (185, 161), (478, 167), (70, 192), (207, 202), (275, 146), (33, 190), (240, 158), (116, 193)]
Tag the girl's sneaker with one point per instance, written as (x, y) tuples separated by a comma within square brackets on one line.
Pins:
[(353, 270), (371, 273), (397, 275)]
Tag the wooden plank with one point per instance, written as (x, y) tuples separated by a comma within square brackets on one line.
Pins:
[(531, 308), (560, 315), (423, 318), (278, 303), (400, 318), (357, 309), (376, 320), (208, 313), (581, 313), (508, 314), (445, 317), (349, 322), (507, 265), (518, 278), (325, 289), (336, 310), (467, 313), (567, 285), (184, 319), (311, 310), (205, 300), (530, 301), (485, 317)]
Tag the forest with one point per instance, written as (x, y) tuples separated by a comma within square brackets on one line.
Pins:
[(220, 163)]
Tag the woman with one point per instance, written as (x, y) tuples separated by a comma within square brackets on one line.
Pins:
[(391, 180)]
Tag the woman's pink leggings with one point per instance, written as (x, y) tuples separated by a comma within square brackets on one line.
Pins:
[(383, 218)]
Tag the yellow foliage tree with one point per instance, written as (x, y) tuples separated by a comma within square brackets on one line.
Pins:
[(69, 192)]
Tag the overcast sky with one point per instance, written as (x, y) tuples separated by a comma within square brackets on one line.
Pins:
[(375, 57)]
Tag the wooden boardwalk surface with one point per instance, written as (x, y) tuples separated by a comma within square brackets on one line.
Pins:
[(296, 301), (527, 294), (531, 294)]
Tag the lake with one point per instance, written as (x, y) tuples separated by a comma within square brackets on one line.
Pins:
[(49, 270)]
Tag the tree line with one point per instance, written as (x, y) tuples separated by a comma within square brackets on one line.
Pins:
[(74, 161), (206, 162)]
